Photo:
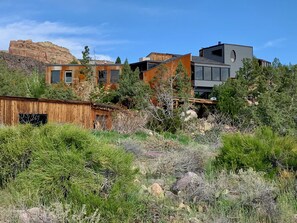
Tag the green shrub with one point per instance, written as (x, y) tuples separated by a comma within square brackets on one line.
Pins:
[(36, 85), (261, 96), (56, 163), (165, 122), (60, 91), (15, 152), (264, 151)]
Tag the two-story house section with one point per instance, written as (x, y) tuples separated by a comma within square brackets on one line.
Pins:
[(230, 54), (207, 73), (149, 65)]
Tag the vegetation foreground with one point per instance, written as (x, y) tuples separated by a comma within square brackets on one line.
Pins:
[(61, 173)]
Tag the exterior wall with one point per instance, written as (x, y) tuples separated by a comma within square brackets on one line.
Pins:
[(78, 77), (81, 114), (108, 68), (160, 56), (242, 52), (202, 83), (149, 75)]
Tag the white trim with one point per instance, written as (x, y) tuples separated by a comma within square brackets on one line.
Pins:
[(65, 78)]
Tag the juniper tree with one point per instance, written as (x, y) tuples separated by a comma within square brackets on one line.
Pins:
[(133, 92), (118, 60), (87, 69)]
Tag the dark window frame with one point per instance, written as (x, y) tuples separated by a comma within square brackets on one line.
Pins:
[(212, 68), (52, 75), (208, 68), (228, 73), (212, 73), (114, 80), (202, 73), (102, 76)]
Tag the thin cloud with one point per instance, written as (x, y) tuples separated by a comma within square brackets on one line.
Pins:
[(72, 37), (272, 43), (102, 57)]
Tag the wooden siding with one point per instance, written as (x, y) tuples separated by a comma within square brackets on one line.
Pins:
[(79, 113)]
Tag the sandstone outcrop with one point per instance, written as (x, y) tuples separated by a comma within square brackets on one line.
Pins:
[(45, 52)]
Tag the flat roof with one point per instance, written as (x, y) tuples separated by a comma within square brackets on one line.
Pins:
[(221, 44), (203, 60)]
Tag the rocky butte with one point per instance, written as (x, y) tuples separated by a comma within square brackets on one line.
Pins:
[(45, 52)]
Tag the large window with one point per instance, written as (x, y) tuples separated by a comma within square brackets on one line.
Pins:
[(68, 76), (216, 74), (55, 76), (207, 73), (218, 52), (114, 76), (198, 73), (102, 76), (225, 73), (211, 73)]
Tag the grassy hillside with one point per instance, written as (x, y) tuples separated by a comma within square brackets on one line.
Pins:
[(68, 174)]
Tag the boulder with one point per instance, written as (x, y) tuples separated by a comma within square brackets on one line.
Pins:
[(190, 114), (156, 190), (185, 181)]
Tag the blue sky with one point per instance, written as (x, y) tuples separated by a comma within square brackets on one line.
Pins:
[(133, 29)]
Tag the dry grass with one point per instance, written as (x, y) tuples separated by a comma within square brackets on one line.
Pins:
[(56, 213), (128, 121)]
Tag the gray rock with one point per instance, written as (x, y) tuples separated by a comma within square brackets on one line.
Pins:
[(189, 179), (171, 196)]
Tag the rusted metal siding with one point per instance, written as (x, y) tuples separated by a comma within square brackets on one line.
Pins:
[(171, 66), (78, 77), (79, 113), (108, 68)]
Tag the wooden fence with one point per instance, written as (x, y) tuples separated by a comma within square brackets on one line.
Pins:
[(15, 110)]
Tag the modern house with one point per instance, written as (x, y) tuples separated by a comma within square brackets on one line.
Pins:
[(213, 66), (204, 73), (105, 74)]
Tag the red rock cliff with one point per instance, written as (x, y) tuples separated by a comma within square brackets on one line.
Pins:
[(46, 52)]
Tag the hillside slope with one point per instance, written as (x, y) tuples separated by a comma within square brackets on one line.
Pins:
[(25, 64)]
